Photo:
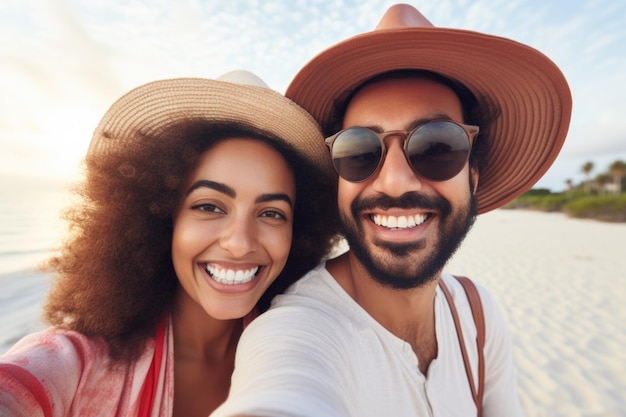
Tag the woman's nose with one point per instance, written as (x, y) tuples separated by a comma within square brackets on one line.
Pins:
[(240, 237)]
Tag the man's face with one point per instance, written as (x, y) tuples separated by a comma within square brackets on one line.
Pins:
[(401, 227)]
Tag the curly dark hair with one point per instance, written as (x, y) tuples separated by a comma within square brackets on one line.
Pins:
[(478, 111), (114, 276)]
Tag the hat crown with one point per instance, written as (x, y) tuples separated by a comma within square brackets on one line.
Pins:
[(242, 77), (237, 98), (403, 16)]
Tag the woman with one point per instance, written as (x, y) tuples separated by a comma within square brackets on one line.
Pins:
[(195, 193)]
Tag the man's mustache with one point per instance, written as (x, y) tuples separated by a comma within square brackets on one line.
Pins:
[(410, 200)]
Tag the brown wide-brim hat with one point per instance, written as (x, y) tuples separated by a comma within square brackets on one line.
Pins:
[(236, 97), (528, 88)]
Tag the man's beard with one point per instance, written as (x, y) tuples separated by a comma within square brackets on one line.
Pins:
[(384, 261)]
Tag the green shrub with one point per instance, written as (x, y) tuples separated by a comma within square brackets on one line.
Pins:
[(606, 208), (540, 201), (575, 203)]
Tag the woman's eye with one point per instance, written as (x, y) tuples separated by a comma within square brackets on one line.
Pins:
[(273, 214), (209, 208)]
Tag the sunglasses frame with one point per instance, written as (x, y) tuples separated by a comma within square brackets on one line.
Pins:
[(471, 132)]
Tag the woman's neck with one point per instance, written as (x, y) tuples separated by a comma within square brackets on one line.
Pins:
[(204, 358), (198, 335)]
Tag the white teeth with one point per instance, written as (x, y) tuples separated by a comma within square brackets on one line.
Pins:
[(231, 276), (402, 222)]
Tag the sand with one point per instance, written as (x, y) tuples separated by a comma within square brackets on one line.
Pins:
[(561, 283)]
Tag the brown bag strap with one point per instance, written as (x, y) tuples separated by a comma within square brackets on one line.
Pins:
[(479, 320)]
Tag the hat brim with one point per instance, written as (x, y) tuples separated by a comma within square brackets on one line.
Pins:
[(152, 107), (528, 88)]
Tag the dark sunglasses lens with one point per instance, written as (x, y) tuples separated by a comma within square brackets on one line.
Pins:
[(438, 150), (356, 154)]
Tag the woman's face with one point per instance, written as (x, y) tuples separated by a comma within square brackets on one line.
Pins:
[(233, 227)]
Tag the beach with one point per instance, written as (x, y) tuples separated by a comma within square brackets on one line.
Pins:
[(561, 283)]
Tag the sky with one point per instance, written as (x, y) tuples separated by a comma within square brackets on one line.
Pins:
[(64, 62)]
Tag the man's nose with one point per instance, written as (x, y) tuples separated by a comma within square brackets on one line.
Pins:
[(396, 177)]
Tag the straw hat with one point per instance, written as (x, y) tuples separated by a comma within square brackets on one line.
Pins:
[(238, 96), (530, 91)]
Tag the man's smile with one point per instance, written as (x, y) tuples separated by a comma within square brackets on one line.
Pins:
[(399, 222)]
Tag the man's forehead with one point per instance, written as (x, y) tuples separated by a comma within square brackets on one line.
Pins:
[(401, 104)]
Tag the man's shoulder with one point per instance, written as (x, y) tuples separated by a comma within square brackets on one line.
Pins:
[(494, 318), (314, 288), (458, 293), (315, 303)]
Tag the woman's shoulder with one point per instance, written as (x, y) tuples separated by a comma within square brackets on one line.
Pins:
[(43, 370), (59, 370), (57, 344), (53, 354)]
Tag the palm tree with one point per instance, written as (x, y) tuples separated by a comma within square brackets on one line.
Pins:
[(586, 169), (602, 181), (618, 171)]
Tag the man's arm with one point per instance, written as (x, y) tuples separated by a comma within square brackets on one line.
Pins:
[(288, 364)]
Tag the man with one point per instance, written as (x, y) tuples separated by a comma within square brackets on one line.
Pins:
[(427, 127)]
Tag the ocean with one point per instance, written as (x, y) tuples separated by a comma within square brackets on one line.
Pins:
[(30, 222)]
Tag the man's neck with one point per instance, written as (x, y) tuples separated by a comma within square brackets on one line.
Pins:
[(408, 314)]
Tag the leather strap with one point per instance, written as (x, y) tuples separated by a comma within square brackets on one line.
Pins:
[(479, 320)]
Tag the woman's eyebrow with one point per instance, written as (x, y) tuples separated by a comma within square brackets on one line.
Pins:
[(225, 189), (217, 186)]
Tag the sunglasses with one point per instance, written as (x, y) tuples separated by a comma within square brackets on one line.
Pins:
[(436, 150)]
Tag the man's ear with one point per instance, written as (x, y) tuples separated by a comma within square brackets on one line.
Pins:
[(474, 179)]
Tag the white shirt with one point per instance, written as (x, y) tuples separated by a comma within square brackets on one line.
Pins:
[(316, 352)]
